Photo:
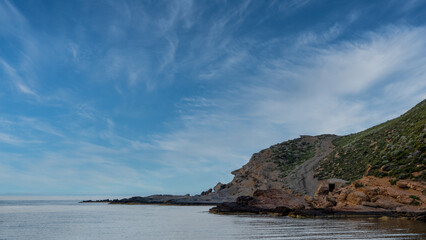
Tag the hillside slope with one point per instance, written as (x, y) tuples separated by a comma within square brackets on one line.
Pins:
[(395, 148), (277, 167), (355, 175)]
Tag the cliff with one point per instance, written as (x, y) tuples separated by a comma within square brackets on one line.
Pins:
[(286, 165), (394, 149), (381, 170)]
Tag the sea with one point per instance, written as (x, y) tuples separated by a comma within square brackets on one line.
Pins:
[(69, 219)]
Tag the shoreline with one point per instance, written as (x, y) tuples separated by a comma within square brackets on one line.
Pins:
[(231, 208), (166, 200), (335, 215), (159, 204)]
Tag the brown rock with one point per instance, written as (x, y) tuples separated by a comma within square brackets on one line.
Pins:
[(272, 201), (357, 197), (308, 199), (403, 184), (322, 202), (219, 186), (206, 192), (274, 198), (343, 194), (373, 191), (400, 195), (383, 202), (417, 186), (409, 208), (322, 189), (331, 199)]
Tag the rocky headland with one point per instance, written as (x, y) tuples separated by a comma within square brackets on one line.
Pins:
[(377, 172), (165, 199)]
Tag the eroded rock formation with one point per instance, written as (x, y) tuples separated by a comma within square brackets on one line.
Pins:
[(288, 165), (372, 192), (369, 196)]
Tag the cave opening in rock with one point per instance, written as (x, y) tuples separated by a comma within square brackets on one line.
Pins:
[(331, 187)]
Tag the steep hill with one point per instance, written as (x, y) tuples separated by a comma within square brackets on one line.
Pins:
[(282, 165), (377, 172), (395, 148)]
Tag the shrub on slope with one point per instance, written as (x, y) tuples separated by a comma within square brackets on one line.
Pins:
[(395, 148)]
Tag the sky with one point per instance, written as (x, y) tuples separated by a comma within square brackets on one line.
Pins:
[(144, 97)]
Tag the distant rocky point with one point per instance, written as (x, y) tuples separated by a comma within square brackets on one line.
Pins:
[(97, 201), (163, 199)]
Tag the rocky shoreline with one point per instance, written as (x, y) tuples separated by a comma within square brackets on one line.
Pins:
[(249, 194), (334, 198), (234, 208)]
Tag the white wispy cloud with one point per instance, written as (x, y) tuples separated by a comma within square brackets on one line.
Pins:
[(248, 91), (38, 125), (72, 172), (330, 84), (6, 138), (12, 19), (17, 80), (25, 89), (331, 81), (13, 24)]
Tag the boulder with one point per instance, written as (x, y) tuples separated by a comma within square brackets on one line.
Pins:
[(357, 197), (383, 202), (323, 202), (321, 190), (219, 186), (403, 184), (206, 192), (274, 198), (264, 201)]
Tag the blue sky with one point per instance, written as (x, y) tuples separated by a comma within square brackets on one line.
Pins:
[(142, 97)]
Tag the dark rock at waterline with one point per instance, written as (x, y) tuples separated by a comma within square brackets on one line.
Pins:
[(234, 207), (96, 201), (209, 199), (263, 201), (280, 202), (206, 192), (421, 217)]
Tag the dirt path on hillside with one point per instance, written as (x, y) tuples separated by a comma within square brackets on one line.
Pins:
[(302, 179)]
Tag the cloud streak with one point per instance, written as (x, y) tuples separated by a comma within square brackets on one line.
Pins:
[(331, 84), (17, 80), (171, 96)]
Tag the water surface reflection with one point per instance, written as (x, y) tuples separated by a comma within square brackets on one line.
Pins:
[(70, 220)]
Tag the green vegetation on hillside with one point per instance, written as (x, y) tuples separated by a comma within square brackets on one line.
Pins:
[(395, 148), (288, 155)]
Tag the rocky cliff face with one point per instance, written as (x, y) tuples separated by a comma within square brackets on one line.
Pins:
[(394, 149), (386, 165), (370, 194), (287, 165), (367, 197)]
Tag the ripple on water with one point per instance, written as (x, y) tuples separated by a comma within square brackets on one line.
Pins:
[(70, 220)]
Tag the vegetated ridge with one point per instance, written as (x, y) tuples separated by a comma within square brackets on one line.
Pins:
[(394, 149), (377, 172)]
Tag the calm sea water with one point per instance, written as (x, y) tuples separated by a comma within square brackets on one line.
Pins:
[(71, 220)]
